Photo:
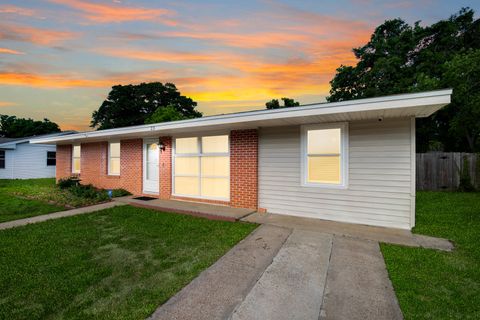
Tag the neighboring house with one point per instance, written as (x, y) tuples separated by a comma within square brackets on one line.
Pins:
[(351, 161), (19, 159)]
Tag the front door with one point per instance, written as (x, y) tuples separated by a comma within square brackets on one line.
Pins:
[(151, 155)]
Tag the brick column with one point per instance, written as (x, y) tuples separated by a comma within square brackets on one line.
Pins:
[(64, 161), (166, 168), (244, 168)]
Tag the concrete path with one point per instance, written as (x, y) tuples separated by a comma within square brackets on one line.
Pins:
[(219, 289), (363, 232), (292, 286), (56, 215), (358, 286)]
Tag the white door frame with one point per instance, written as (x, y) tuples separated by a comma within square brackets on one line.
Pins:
[(148, 187)]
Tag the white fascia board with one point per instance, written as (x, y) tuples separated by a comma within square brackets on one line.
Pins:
[(439, 98)]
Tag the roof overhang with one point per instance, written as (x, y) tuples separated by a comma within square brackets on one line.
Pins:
[(421, 104)]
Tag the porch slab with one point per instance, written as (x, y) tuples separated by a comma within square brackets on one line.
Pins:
[(205, 210), (379, 234)]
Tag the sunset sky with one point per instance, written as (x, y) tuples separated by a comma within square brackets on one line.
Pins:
[(59, 58)]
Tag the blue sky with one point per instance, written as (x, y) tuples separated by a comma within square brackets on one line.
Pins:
[(59, 58)]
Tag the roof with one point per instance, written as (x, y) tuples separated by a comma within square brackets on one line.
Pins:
[(421, 104), (10, 143)]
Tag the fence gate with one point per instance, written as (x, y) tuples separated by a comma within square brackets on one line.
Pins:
[(441, 170)]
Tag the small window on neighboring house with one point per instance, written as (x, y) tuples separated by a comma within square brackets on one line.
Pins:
[(51, 158), (76, 159), (325, 155), (2, 159), (114, 158)]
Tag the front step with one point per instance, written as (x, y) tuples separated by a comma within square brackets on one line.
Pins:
[(292, 286)]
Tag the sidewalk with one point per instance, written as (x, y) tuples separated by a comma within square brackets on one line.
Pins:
[(60, 214)]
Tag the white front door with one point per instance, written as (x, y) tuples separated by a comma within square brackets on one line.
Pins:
[(151, 155)]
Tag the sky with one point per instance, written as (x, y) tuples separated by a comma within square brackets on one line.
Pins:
[(60, 58)]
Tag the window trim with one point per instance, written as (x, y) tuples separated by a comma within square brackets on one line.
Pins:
[(4, 159), (73, 158), (52, 165), (109, 157), (343, 126), (200, 154)]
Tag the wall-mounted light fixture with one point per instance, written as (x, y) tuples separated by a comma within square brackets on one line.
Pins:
[(161, 146)]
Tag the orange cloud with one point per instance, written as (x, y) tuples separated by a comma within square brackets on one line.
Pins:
[(160, 55), (105, 13), (7, 104), (38, 36), (49, 80), (10, 51), (17, 10)]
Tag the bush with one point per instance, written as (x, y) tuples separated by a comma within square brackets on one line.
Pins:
[(89, 192), (66, 183), (120, 193)]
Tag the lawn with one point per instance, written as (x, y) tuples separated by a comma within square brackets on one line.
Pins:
[(14, 203), (118, 263), (26, 198), (431, 284)]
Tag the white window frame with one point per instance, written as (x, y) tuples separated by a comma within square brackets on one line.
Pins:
[(109, 157), (200, 154), (73, 158), (343, 126)]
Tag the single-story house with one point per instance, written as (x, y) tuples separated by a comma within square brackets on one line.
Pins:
[(351, 161), (19, 159)]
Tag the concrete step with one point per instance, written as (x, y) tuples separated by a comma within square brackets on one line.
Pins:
[(292, 287)]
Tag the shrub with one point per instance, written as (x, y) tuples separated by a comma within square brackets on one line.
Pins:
[(120, 193), (88, 192), (66, 183)]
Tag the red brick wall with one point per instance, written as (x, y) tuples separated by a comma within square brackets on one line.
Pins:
[(244, 168), (64, 161), (166, 168), (94, 158)]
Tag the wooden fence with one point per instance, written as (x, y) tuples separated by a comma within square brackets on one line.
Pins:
[(441, 170)]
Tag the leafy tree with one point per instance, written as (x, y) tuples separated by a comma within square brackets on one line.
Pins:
[(165, 114), (401, 58), (287, 102), (13, 127), (128, 105)]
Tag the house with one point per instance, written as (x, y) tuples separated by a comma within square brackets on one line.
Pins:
[(19, 159), (351, 161)]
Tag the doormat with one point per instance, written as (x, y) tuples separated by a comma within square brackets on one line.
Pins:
[(144, 198)]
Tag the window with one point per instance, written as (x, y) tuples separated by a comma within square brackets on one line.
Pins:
[(2, 159), (76, 159), (114, 158), (202, 167), (51, 158), (324, 149)]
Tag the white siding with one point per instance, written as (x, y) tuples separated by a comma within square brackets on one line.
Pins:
[(28, 161), (7, 173), (379, 190)]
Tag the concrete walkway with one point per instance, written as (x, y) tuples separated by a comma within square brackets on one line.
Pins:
[(205, 210), (282, 273), (60, 214), (379, 234)]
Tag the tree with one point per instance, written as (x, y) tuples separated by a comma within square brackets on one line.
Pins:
[(128, 105), (13, 127), (401, 58), (165, 114), (287, 102)]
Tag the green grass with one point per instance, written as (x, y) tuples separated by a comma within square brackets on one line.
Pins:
[(118, 263), (431, 284), (14, 204), (27, 198)]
